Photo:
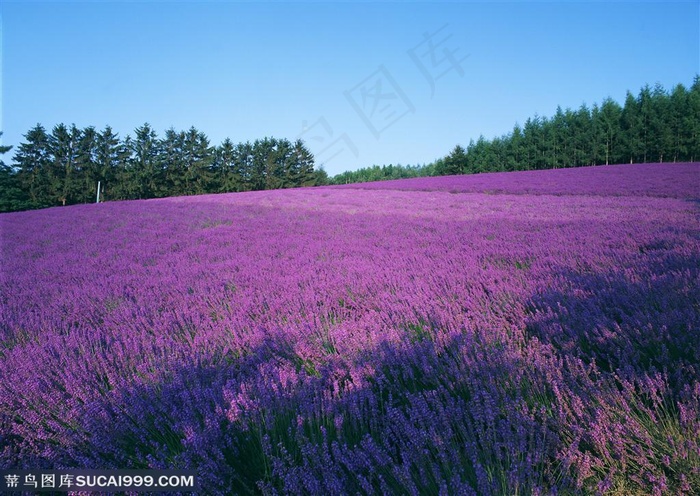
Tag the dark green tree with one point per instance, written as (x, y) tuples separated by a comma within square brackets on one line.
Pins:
[(513, 146), (12, 197), (172, 162), (197, 157), (455, 162), (245, 160), (112, 158), (146, 173), (226, 172), (33, 160), (609, 123), (64, 174), (302, 172), (87, 168), (678, 105), (632, 129), (321, 178), (691, 123)]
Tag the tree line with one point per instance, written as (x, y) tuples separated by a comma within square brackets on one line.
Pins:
[(63, 167), (654, 126), (385, 172)]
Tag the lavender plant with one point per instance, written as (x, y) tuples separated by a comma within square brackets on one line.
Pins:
[(519, 333)]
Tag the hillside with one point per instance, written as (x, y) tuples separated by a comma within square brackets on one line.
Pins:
[(528, 332)]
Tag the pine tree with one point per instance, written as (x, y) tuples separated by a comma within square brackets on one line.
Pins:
[(644, 103), (172, 162), (454, 163), (303, 171), (632, 136), (63, 176), (660, 137), (33, 158), (692, 121), (678, 105), (514, 150), (147, 175), (197, 157), (226, 174), (610, 115), (582, 134), (11, 195), (87, 169), (245, 160), (112, 158)]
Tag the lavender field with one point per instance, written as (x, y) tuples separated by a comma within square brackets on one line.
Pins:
[(514, 333)]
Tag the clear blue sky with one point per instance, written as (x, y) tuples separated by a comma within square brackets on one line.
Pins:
[(374, 83)]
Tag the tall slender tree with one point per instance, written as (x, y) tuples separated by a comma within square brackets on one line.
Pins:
[(692, 121), (197, 156), (87, 168), (610, 115), (147, 173), (112, 157), (226, 176), (12, 197), (64, 175), (302, 173), (33, 159)]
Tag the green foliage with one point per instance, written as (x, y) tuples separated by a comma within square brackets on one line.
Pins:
[(385, 172), (64, 167), (654, 126)]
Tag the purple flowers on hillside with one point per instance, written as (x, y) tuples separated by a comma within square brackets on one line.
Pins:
[(518, 333)]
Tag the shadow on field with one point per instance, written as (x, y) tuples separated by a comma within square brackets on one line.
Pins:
[(628, 326), (470, 413), (406, 417)]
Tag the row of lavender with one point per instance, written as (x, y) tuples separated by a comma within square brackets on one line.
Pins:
[(662, 180), (344, 341)]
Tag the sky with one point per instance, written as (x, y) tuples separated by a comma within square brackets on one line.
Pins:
[(362, 83)]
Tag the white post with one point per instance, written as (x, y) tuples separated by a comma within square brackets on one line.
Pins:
[(98, 192)]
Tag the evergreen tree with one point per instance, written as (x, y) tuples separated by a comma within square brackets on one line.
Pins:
[(302, 173), (33, 159), (513, 149), (632, 136), (581, 129), (146, 171), (12, 197), (644, 104), (277, 164), (692, 122), (660, 122), (226, 173), (63, 173), (678, 105), (263, 164), (112, 157), (610, 115), (87, 169), (197, 157), (172, 162), (245, 158), (454, 163), (321, 178)]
